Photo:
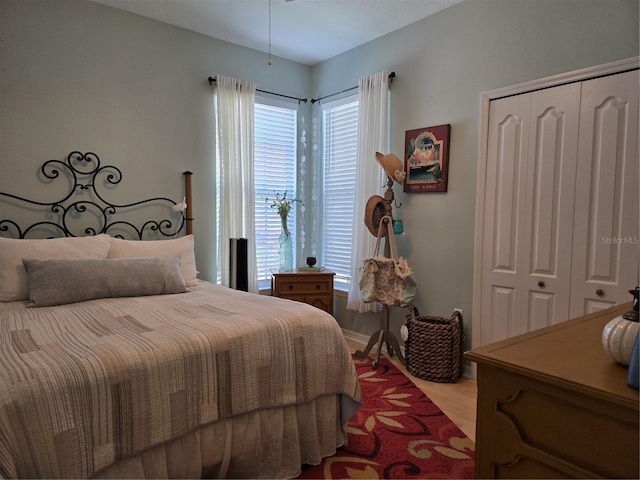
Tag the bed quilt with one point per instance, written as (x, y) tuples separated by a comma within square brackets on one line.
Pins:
[(87, 384)]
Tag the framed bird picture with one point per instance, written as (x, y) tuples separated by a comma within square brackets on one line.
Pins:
[(426, 159)]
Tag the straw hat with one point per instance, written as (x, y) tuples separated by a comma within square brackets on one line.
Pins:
[(374, 211), (392, 165)]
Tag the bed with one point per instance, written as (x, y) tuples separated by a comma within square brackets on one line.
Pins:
[(103, 375)]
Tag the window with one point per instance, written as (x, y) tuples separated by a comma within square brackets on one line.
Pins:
[(340, 119), (275, 127)]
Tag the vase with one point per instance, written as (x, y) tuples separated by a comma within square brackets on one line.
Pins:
[(620, 334), (285, 246), (618, 338)]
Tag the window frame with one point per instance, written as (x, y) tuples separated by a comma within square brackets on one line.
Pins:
[(342, 267), (266, 217)]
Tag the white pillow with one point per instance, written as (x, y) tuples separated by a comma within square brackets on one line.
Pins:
[(14, 283), (182, 246)]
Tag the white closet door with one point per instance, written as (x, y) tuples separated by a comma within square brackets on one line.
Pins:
[(529, 194), (502, 265), (550, 190), (605, 239)]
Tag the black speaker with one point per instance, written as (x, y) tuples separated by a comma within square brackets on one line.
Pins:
[(238, 264)]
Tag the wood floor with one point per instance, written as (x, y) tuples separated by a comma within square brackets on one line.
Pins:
[(456, 400)]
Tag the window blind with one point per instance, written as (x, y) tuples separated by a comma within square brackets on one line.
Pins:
[(340, 119), (275, 172)]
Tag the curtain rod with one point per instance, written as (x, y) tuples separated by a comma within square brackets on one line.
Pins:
[(392, 75), (212, 80)]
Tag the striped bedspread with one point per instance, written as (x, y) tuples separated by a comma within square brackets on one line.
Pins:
[(87, 384)]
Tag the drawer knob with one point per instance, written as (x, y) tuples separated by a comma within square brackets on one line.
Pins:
[(318, 286), (290, 287), (541, 284), (600, 292)]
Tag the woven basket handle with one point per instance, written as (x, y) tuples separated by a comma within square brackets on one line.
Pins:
[(458, 315), (412, 312)]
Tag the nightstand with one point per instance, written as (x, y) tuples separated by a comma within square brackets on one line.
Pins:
[(313, 287)]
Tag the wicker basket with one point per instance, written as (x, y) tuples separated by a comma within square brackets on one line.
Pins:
[(434, 347)]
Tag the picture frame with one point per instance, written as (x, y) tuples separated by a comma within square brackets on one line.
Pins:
[(426, 159)]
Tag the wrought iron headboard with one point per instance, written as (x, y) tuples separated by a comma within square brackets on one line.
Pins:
[(84, 171)]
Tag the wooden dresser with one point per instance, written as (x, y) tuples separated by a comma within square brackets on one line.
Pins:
[(553, 404), (312, 287)]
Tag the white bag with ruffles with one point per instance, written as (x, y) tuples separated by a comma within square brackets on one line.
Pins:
[(388, 281)]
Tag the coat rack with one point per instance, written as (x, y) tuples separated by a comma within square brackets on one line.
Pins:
[(384, 335)]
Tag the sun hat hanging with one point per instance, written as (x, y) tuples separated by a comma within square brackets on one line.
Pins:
[(392, 166), (373, 213)]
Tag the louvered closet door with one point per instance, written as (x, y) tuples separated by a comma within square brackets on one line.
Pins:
[(529, 192), (605, 239)]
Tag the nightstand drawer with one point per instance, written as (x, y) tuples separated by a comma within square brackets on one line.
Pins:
[(315, 285)]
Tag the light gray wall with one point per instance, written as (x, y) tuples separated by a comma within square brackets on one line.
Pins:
[(443, 64), (75, 75)]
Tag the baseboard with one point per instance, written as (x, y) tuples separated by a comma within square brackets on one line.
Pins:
[(362, 339)]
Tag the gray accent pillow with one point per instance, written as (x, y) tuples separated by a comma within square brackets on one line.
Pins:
[(58, 282)]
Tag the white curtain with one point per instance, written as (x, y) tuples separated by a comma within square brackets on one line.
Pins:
[(373, 136), (234, 105)]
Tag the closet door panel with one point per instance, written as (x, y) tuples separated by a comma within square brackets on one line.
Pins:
[(503, 311), (605, 246), (504, 213), (542, 309), (550, 190)]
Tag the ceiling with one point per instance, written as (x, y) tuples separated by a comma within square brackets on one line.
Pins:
[(305, 31)]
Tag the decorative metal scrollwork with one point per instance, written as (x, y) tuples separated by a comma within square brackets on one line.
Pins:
[(84, 199)]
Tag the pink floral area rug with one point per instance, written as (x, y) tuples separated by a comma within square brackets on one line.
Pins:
[(397, 433)]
